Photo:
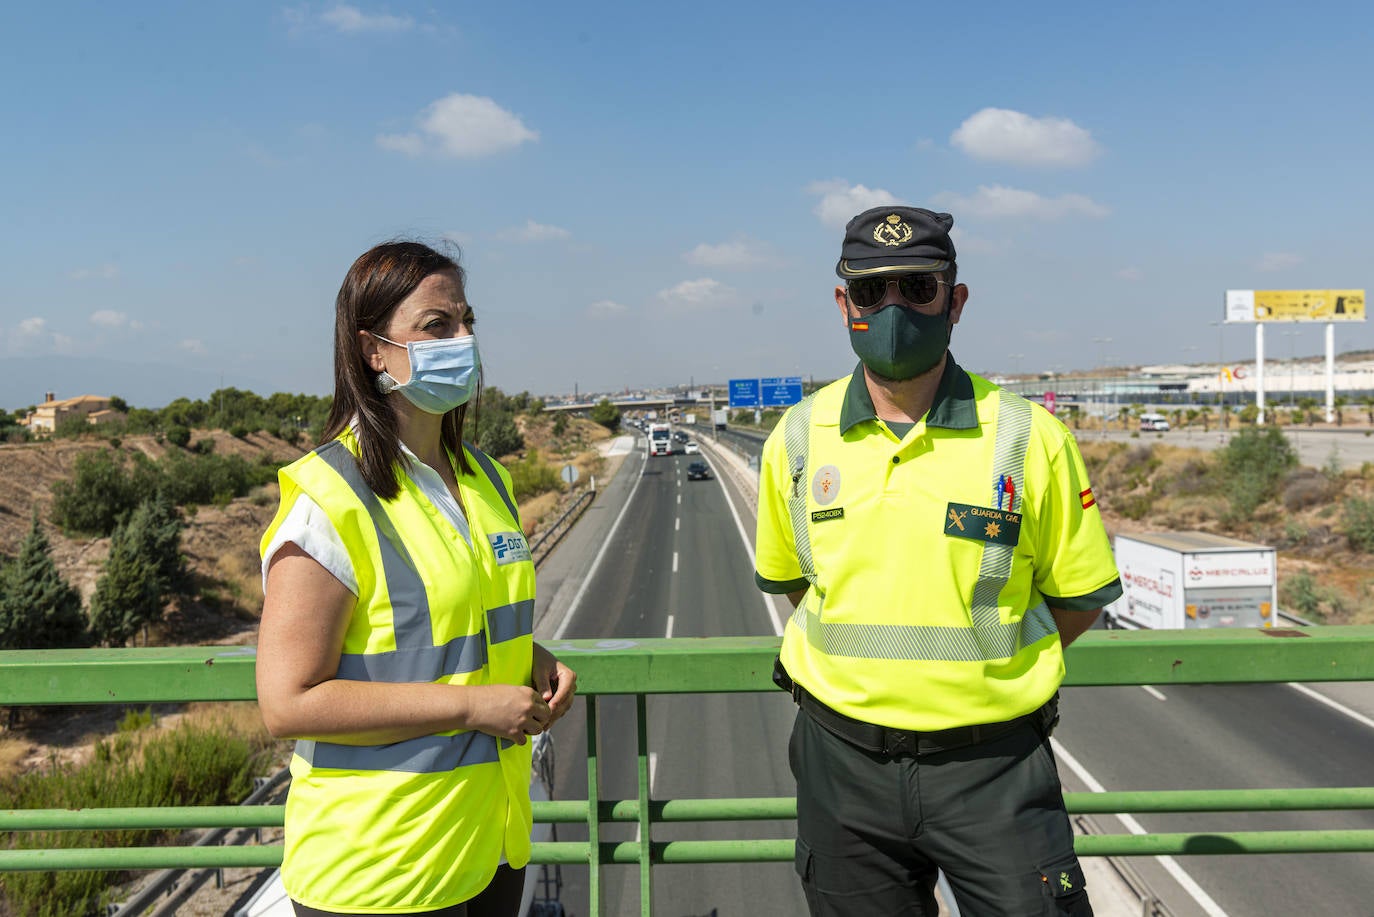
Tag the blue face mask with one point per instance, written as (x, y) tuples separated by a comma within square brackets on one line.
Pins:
[(443, 373)]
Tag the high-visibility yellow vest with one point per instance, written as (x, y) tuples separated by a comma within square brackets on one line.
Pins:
[(420, 824), (929, 561)]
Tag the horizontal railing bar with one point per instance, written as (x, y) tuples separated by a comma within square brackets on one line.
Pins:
[(763, 808), (711, 665), (115, 858), (723, 851), (1272, 800), (1223, 842), (142, 818)]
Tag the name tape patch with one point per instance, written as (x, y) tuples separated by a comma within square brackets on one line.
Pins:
[(983, 523), (509, 547), (825, 515)]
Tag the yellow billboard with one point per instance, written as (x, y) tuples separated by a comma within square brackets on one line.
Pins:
[(1295, 306)]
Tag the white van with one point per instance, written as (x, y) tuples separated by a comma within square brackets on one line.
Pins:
[(1151, 422)]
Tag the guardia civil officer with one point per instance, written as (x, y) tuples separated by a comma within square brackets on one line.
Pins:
[(940, 542), (396, 639)]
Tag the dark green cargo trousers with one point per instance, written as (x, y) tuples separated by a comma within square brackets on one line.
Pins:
[(874, 828)]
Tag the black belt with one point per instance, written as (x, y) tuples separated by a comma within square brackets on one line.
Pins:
[(892, 742)]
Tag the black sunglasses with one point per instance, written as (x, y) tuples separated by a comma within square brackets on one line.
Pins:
[(917, 289)]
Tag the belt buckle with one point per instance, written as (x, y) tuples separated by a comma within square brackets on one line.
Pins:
[(898, 741)]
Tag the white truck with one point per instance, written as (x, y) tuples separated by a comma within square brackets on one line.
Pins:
[(1177, 580), (660, 439)]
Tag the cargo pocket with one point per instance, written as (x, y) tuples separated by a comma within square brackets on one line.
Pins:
[(1066, 890)]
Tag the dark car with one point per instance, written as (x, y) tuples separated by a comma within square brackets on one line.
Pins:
[(698, 471)]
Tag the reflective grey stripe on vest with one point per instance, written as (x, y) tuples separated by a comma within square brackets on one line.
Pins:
[(485, 461), (988, 638), (796, 435), (423, 755), (511, 621)]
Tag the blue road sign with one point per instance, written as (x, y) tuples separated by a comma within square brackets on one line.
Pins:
[(744, 393), (780, 392)]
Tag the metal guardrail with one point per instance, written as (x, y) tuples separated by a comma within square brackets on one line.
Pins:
[(723, 664), (549, 538)]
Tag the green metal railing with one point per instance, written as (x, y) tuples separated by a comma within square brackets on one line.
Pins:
[(694, 666)]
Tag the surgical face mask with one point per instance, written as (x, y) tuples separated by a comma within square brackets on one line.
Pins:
[(900, 343), (443, 373)]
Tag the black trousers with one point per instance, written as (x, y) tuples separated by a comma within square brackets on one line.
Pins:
[(501, 898), (873, 829)]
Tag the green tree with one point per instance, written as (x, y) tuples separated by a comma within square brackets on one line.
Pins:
[(119, 404), (97, 495), (1339, 403), (128, 595), (497, 433), (606, 414), (38, 609)]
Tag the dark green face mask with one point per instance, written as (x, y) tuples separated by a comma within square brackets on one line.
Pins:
[(900, 343)]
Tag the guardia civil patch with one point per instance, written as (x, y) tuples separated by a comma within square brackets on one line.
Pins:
[(982, 523), (825, 484), (509, 547)]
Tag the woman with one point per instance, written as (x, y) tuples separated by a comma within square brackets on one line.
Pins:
[(396, 642)]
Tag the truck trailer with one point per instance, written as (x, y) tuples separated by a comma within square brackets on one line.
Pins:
[(1178, 580)]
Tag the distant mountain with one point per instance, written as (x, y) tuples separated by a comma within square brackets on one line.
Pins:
[(24, 381)]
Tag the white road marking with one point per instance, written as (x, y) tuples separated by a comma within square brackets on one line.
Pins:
[(1153, 692), (591, 571), (769, 601), (670, 626), (679, 499), (674, 561), (677, 523), (1203, 899), (1339, 707)]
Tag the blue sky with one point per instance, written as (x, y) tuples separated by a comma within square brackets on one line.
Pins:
[(647, 194)]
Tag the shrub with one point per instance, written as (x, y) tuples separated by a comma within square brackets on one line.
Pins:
[(178, 436), (606, 414), (204, 446), (1252, 464), (531, 476), (1304, 487), (1359, 524), (209, 764)]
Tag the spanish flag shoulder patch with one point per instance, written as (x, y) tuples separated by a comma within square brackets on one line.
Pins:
[(1087, 497)]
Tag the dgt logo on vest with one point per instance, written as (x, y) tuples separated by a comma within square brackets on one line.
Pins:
[(510, 547)]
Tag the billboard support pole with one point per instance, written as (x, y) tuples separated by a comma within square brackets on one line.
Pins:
[(1259, 371), (1330, 372)]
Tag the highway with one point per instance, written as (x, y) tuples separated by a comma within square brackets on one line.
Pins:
[(677, 564)]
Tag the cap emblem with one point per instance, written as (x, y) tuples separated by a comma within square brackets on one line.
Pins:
[(892, 232)]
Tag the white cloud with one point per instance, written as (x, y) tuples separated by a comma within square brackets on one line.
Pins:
[(1278, 261), (351, 19), (1001, 202), (32, 334), (461, 126), (533, 232), (107, 271), (704, 293), (741, 253), (193, 345), (1131, 273), (1002, 135), (606, 308), (841, 201), (33, 327), (109, 318)]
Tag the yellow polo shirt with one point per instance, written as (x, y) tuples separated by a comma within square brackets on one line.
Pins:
[(930, 560)]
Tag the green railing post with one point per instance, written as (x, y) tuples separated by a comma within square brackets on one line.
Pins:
[(593, 811), (646, 885)]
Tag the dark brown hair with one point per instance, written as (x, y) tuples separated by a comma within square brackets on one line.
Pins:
[(374, 286)]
